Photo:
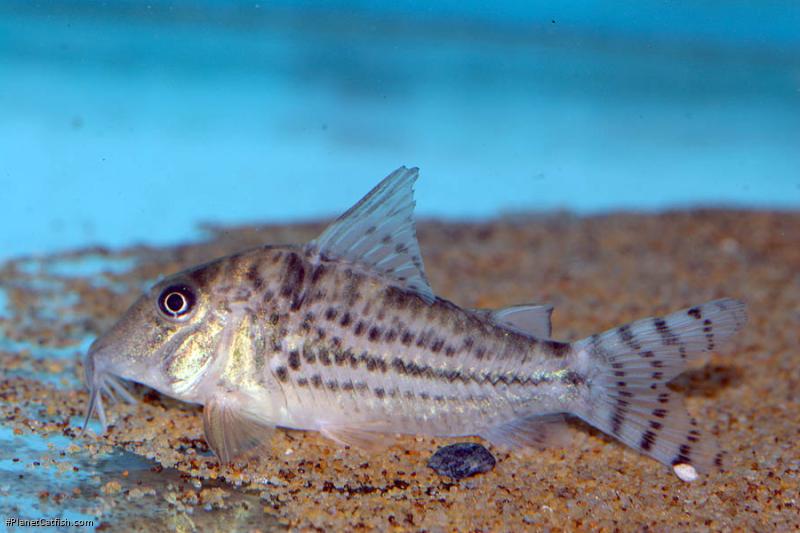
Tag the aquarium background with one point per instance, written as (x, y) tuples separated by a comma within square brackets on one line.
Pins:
[(127, 122)]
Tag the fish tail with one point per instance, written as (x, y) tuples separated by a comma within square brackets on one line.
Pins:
[(628, 369)]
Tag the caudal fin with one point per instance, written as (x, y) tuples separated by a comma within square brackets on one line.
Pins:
[(627, 371)]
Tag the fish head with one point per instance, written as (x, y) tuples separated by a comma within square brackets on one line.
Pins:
[(166, 340)]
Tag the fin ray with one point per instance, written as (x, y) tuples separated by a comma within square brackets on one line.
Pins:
[(379, 233), (537, 431), (529, 319), (364, 439), (229, 431), (629, 368)]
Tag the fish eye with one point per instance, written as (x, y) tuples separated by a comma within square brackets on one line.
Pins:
[(176, 301)]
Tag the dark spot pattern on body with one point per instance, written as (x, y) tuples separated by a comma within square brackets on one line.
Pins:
[(340, 357), (318, 273), (294, 360), (254, 277), (293, 277), (309, 355), (206, 275), (573, 378), (422, 338), (297, 301), (410, 368), (324, 357), (555, 348), (359, 329), (374, 334)]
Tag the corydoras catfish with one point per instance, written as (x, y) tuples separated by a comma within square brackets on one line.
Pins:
[(344, 335)]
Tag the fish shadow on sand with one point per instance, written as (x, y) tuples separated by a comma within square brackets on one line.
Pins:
[(708, 380)]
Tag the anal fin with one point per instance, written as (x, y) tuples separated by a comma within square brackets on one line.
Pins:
[(365, 439), (229, 431), (535, 431)]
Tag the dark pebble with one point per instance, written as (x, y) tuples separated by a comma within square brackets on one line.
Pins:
[(461, 460)]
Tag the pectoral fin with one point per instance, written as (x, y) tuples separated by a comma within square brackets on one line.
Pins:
[(229, 430)]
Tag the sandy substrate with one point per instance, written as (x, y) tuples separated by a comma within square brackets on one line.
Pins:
[(598, 272)]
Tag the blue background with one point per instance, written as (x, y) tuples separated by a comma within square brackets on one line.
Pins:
[(129, 122)]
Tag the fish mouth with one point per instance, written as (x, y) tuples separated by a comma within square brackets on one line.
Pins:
[(101, 382)]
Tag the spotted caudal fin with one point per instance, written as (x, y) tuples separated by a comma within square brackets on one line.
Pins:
[(627, 371)]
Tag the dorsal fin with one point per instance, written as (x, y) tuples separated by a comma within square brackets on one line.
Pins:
[(530, 319), (379, 233)]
